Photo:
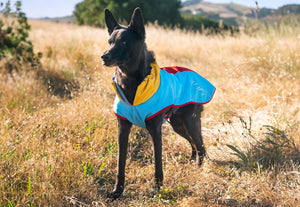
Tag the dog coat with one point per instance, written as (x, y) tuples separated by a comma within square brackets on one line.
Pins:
[(164, 88)]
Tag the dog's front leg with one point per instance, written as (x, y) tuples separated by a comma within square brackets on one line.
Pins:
[(154, 127), (123, 134)]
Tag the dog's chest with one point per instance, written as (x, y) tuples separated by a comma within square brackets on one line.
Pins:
[(128, 85)]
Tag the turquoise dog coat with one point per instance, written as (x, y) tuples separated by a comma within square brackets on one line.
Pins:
[(164, 88)]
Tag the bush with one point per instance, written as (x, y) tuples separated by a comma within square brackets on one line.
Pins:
[(164, 12), (204, 24), (16, 50)]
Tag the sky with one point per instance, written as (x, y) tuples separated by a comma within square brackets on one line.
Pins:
[(60, 8)]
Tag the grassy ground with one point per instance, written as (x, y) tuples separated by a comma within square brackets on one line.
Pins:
[(58, 132)]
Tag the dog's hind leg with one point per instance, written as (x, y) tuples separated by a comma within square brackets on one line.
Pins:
[(188, 118), (180, 128)]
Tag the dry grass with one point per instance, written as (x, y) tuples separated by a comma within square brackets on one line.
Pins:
[(58, 131)]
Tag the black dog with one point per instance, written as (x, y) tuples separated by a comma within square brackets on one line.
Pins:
[(128, 52)]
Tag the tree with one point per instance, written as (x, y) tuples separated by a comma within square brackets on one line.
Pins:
[(164, 12), (15, 48)]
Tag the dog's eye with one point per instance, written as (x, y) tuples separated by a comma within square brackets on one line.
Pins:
[(110, 42), (123, 43)]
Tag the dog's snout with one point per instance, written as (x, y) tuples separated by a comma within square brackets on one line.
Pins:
[(106, 57)]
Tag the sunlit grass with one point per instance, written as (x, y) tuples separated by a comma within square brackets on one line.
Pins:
[(60, 148)]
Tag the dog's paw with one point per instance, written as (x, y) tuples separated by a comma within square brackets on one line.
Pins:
[(200, 160), (158, 184), (115, 194)]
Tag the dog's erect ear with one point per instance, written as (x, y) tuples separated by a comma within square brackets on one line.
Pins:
[(137, 22), (110, 21)]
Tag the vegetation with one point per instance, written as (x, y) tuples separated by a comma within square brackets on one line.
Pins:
[(276, 148), (58, 148), (166, 13), (17, 52), (288, 9), (203, 24), (284, 26), (91, 12), (281, 11), (15, 48)]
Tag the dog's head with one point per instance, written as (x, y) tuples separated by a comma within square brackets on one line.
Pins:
[(125, 43)]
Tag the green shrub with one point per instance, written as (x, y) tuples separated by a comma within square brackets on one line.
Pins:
[(91, 12), (204, 24), (164, 13), (16, 51)]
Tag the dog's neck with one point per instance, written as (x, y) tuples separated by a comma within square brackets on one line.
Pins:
[(129, 82)]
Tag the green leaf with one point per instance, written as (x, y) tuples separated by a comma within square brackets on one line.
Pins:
[(238, 153), (29, 186), (101, 167)]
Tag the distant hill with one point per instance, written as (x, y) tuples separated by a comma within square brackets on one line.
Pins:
[(223, 10), (66, 19), (234, 13), (288, 9), (230, 13)]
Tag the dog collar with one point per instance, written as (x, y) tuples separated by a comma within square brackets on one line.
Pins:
[(145, 90)]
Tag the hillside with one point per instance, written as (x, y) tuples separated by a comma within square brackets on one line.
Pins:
[(66, 19), (234, 13), (223, 10), (229, 13)]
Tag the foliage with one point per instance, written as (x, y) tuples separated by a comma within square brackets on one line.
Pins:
[(274, 149), (286, 25), (275, 13), (261, 13), (164, 12), (201, 23), (15, 48), (91, 12), (17, 53), (288, 9)]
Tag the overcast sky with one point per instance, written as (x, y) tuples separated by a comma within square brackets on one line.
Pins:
[(60, 8)]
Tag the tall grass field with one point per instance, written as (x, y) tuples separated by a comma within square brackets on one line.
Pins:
[(58, 130)]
